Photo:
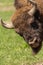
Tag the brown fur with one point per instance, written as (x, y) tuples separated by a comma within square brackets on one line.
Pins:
[(40, 8), (21, 3), (39, 5), (20, 11)]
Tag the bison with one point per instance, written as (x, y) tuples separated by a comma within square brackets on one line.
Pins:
[(39, 3), (27, 24)]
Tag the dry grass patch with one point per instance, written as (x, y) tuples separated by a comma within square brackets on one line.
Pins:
[(7, 8)]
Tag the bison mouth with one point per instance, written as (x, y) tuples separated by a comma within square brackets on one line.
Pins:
[(35, 42), (37, 49)]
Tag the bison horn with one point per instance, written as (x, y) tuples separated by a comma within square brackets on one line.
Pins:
[(7, 25), (32, 11)]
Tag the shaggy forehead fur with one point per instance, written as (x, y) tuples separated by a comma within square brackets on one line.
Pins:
[(21, 3), (25, 2)]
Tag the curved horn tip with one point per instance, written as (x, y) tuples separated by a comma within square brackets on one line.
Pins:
[(7, 25), (0, 20), (32, 11)]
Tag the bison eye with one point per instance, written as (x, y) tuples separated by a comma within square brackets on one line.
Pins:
[(34, 25)]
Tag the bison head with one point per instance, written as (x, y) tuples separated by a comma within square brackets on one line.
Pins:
[(29, 27)]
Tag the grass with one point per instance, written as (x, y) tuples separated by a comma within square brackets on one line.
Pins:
[(13, 49), (6, 1), (5, 15)]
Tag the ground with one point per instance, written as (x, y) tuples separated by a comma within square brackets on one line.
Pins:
[(13, 49)]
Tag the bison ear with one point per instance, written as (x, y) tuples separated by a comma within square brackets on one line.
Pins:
[(32, 11)]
